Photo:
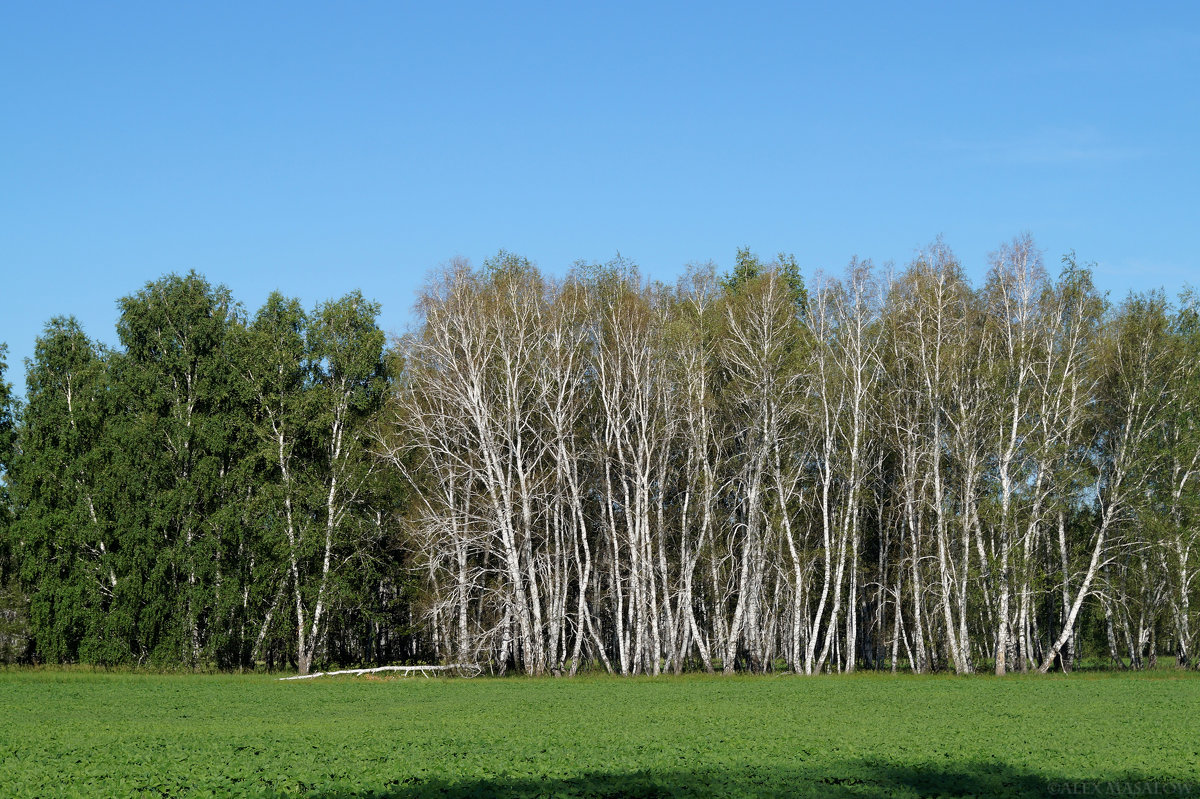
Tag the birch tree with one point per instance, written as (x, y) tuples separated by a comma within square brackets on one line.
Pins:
[(1132, 390), (176, 394)]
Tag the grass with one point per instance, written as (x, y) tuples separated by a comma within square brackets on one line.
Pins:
[(95, 734)]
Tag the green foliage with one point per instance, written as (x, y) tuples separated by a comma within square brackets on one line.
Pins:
[(14, 604), (149, 484), (207, 495), (346, 346), (177, 391), (8, 447), (505, 264), (8, 439), (85, 734), (748, 267), (57, 477)]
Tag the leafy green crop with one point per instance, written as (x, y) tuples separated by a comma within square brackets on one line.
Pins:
[(82, 734)]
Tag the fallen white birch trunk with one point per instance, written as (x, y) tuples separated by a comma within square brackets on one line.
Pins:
[(470, 669)]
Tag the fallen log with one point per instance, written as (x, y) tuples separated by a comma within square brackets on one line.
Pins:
[(466, 669)]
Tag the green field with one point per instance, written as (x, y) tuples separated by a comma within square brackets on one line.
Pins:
[(80, 733)]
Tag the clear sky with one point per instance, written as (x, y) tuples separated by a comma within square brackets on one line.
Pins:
[(322, 147)]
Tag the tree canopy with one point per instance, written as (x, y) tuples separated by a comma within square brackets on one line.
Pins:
[(741, 471)]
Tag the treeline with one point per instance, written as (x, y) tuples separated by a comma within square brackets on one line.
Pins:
[(205, 495), (885, 470)]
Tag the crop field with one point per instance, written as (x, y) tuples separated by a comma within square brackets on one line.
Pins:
[(65, 733)]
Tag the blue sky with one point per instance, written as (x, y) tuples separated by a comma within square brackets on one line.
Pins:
[(317, 148)]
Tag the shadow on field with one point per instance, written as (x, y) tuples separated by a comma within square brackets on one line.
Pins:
[(855, 779)]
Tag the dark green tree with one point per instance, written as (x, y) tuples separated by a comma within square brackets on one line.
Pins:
[(748, 267), (68, 557), (13, 604), (8, 440), (179, 432)]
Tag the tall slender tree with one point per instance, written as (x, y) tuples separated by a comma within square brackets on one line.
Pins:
[(176, 427), (14, 621), (68, 551)]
